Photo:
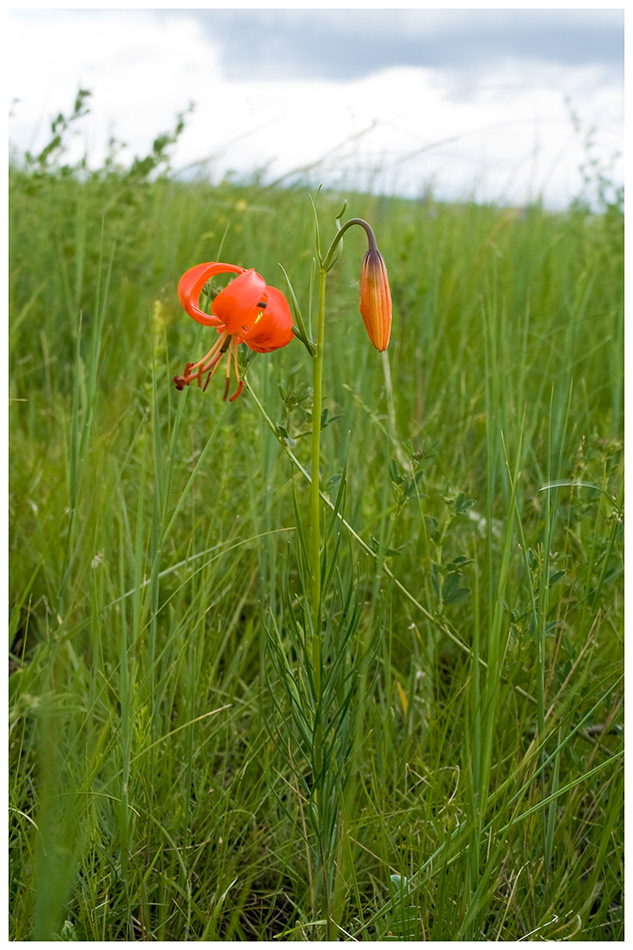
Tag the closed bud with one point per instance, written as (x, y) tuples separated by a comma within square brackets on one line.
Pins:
[(375, 298)]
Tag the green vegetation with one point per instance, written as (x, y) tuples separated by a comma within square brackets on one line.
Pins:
[(156, 790)]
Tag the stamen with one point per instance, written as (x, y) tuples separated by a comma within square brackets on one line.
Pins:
[(219, 344), (208, 365), (182, 381), (237, 375), (212, 362), (228, 373), (213, 365), (237, 372), (237, 392)]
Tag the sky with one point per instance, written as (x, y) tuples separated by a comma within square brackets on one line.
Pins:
[(490, 104)]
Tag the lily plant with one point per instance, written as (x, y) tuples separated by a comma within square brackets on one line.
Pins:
[(250, 311)]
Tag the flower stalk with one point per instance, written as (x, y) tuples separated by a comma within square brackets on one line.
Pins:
[(375, 308), (317, 404)]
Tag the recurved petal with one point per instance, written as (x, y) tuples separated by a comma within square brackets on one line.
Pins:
[(191, 284)]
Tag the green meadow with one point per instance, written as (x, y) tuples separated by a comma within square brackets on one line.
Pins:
[(472, 495)]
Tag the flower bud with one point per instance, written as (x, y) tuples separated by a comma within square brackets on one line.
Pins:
[(375, 298)]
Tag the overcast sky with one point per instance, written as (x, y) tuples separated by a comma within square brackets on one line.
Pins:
[(471, 103)]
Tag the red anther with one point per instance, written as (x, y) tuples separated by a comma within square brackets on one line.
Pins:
[(204, 388), (180, 383), (237, 392), (226, 389)]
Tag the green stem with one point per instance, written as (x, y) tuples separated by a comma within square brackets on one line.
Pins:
[(315, 571), (328, 260), (315, 519), (317, 398)]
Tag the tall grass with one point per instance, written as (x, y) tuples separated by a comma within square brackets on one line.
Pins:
[(154, 552)]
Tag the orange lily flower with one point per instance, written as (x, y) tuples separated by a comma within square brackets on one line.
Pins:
[(375, 298), (246, 311)]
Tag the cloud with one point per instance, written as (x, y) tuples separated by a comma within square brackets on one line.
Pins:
[(348, 44), (396, 128), (141, 71)]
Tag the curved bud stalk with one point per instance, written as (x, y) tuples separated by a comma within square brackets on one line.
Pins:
[(375, 295)]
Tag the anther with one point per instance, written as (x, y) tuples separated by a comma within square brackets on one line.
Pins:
[(237, 392), (182, 381)]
